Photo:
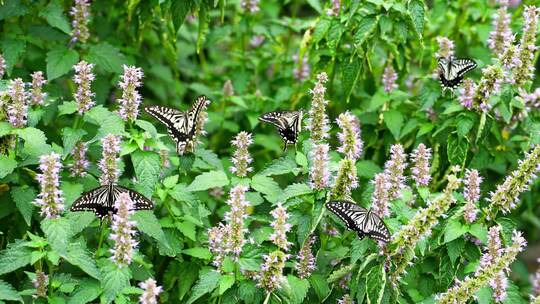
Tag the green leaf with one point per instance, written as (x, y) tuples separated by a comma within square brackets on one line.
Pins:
[(70, 137), (350, 74), (80, 220), (147, 166), (225, 282), (198, 252), (299, 289), (208, 281), (54, 14), (479, 231), (375, 284), (453, 230), (208, 180), (58, 232), (181, 193), (457, 149), (188, 229), (294, 190), (8, 293), (12, 8), (149, 224), (15, 256), (280, 166), (417, 12), (267, 186), (106, 56), (87, 292), (179, 11), (114, 281), (455, 248), (463, 125), (189, 272), (67, 107), (204, 20), (60, 60), (394, 121), (108, 122), (320, 285), (321, 29), (365, 27), (367, 168), (24, 197), (13, 50), (35, 143), (7, 165), (79, 256), (207, 160), (147, 127)]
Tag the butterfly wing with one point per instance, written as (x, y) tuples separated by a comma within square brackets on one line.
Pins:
[(192, 121), (451, 71), (350, 213), (374, 227), (96, 200), (288, 124), (139, 201)]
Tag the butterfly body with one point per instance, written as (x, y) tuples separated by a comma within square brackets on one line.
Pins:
[(181, 125), (101, 200), (288, 124), (452, 70), (363, 221)]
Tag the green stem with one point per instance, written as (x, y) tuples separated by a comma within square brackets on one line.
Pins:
[(101, 236), (267, 298)]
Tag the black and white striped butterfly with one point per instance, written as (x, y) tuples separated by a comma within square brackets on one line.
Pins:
[(181, 125), (288, 124), (452, 70), (101, 200), (361, 220)]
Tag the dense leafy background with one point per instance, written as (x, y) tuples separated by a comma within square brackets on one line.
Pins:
[(187, 49)]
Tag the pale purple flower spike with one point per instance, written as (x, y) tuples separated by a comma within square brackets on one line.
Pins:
[(123, 231), (50, 198)]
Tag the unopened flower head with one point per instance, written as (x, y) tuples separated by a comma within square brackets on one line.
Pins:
[(129, 103), (228, 89), (394, 169), (380, 197), (305, 264), (318, 122), (523, 71), (41, 284), (281, 227), (349, 136), (235, 219), (50, 198), (164, 158), (109, 161), (3, 66), (464, 290), (80, 13), (420, 170), (506, 197), (80, 163), (256, 41), (301, 69), (251, 6), (17, 109), (36, 92), (346, 179), (123, 231), (389, 78), (271, 275), (466, 93), (446, 48), (420, 226), (241, 158), (334, 10), (501, 35), (150, 291), (319, 173), (83, 78)]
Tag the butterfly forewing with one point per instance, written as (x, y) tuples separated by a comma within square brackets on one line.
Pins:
[(139, 201), (361, 220), (288, 124)]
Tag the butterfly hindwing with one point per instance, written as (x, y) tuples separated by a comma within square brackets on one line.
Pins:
[(288, 124), (359, 219), (181, 125), (452, 70), (139, 201)]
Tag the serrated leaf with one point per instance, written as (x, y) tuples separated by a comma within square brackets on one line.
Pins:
[(321, 29), (35, 143), (15, 256), (80, 220), (114, 281), (457, 149), (147, 166), (365, 27), (367, 168), (149, 224), (225, 282), (108, 122), (54, 14), (189, 272), (13, 50), (68, 107), (60, 61), (7, 165), (267, 186), (280, 166), (394, 121), (208, 281), (208, 180), (181, 193), (179, 11), (299, 289), (453, 230), (106, 56), (188, 229), (87, 292), (198, 252), (294, 190), (58, 232), (210, 159), (375, 284), (417, 12), (24, 197), (70, 137), (350, 74), (79, 256), (148, 127), (8, 293), (12, 8), (320, 285)]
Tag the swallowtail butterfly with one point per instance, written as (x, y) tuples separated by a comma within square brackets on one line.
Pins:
[(101, 200), (181, 125), (361, 220), (288, 124), (452, 70)]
